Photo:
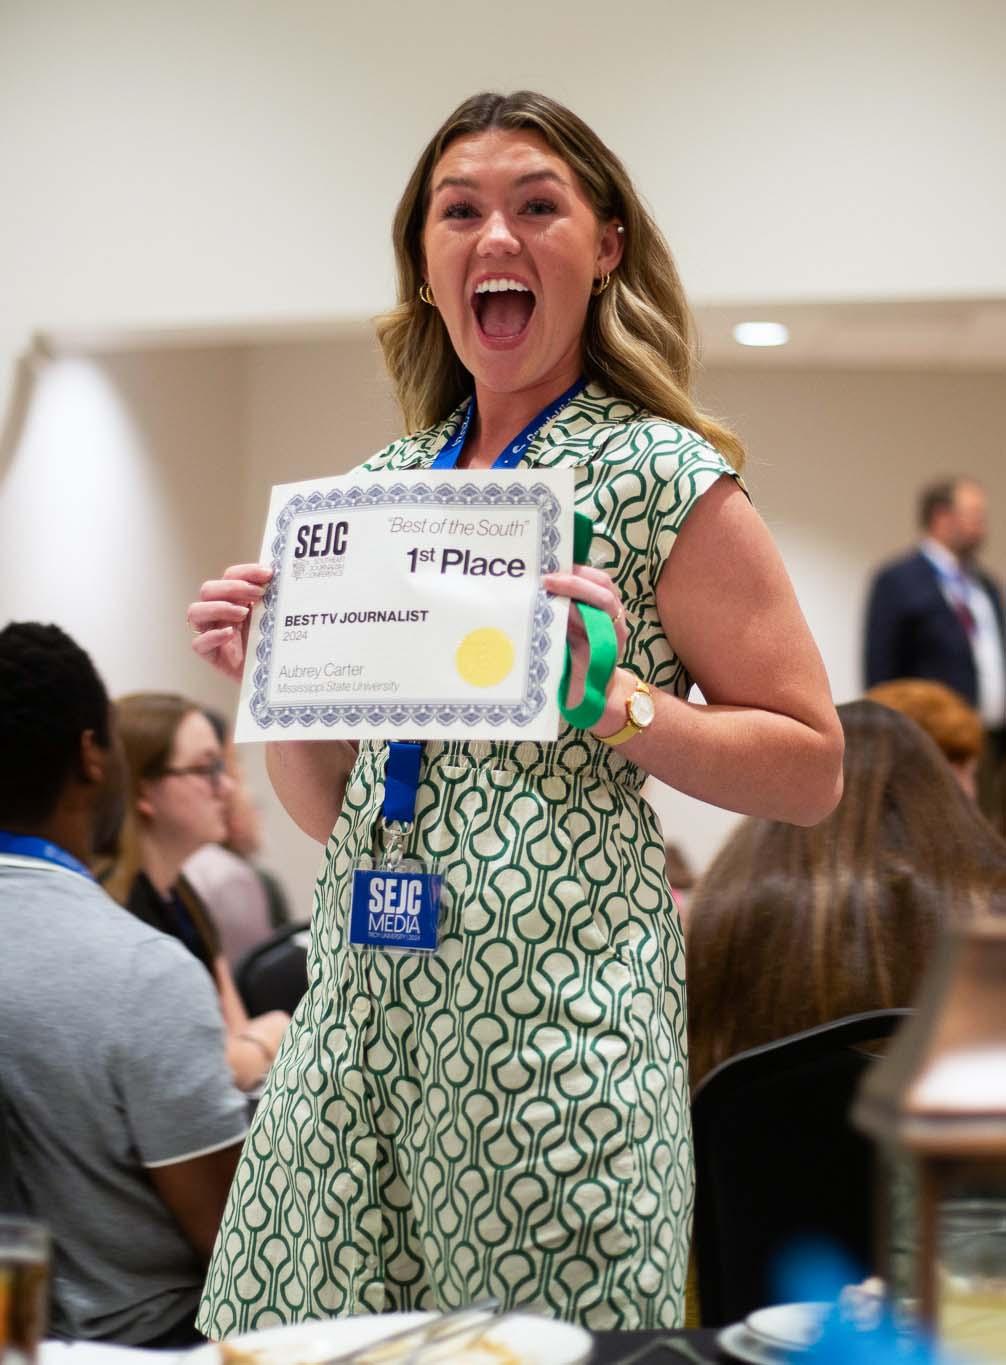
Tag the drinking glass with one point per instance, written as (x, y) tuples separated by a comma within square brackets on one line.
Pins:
[(24, 1289), (971, 1284)]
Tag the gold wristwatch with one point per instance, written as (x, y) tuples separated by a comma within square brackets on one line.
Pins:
[(639, 713)]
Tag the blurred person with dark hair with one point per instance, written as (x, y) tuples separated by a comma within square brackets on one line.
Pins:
[(793, 927), (935, 614), (178, 788), (125, 1125), (954, 726), (245, 902)]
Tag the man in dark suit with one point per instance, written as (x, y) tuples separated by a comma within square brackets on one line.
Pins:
[(934, 614)]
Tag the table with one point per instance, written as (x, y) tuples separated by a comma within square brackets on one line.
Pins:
[(610, 1347)]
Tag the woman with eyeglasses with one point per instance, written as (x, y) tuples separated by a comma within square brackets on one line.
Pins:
[(178, 795)]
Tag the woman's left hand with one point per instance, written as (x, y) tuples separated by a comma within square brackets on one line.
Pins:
[(586, 584)]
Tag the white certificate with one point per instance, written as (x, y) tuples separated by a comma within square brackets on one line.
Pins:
[(409, 605)]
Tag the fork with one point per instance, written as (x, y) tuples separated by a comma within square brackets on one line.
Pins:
[(679, 1346), (460, 1336)]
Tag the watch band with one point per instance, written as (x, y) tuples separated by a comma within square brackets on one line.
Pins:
[(631, 727)]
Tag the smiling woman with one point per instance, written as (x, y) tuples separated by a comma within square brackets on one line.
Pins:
[(512, 247), (634, 332), (508, 1116)]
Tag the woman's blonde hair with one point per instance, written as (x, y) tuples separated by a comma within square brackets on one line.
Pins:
[(639, 336)]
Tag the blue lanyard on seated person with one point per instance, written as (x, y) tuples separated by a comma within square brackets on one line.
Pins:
[(28, 846), (401, 779)]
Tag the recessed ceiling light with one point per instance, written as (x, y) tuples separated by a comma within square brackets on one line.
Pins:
[(761, 334)]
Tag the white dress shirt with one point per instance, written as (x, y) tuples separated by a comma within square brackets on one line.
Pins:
[(957, 586)]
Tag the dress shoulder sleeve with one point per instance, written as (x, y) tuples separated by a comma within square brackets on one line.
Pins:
[(683, 466)]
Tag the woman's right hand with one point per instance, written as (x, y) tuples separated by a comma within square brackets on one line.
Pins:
[(221, 615)]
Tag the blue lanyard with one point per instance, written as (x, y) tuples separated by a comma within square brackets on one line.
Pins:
[(510, 456), (27, 846), (401, 777), (401, 780)]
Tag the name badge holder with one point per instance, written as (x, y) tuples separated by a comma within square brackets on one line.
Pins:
[(396, 900), (395, 903)]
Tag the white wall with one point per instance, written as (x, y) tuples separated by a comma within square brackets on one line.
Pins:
[(836, 459), (234, 164), (137, 477), (118, 484), (311, 409), (226, 162)]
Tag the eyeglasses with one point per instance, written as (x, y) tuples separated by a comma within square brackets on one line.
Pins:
[(213, 772)]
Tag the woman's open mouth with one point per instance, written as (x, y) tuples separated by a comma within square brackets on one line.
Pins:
[(502, 308)]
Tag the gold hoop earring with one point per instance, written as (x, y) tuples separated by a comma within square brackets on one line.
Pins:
[(600, 285), (426, 294)]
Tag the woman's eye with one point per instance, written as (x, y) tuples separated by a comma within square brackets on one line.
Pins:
[(461, 209), (537, 207)]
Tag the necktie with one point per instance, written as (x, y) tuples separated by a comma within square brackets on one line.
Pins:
[(959, 601)]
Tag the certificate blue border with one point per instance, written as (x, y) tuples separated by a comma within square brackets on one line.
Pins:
[(447, 494)]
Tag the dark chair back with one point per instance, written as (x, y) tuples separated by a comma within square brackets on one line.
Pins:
[(273, 974), (778, 1163)]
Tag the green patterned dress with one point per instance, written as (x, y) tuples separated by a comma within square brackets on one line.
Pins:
[(509, 1116)]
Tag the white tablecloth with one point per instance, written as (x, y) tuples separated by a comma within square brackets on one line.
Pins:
[(102, 1353)]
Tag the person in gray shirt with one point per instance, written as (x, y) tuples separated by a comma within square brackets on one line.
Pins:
[(124, 1123)]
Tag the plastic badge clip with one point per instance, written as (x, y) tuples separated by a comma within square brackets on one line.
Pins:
[(601, 640)]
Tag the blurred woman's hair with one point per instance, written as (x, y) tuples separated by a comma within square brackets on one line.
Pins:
[(945, 716), (148, 723), (639, 336), (219, 725), (792, 927), (244, 819)]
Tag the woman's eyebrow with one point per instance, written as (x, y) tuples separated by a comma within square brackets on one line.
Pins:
[(539, 175), (462, 182), (465, 182)]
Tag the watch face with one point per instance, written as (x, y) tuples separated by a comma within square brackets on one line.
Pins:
[(641, 709)]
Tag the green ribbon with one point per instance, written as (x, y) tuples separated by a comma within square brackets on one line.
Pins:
[(601, 640)]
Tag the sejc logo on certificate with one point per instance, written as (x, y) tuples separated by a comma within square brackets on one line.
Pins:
[(395, 909), (409, 605)]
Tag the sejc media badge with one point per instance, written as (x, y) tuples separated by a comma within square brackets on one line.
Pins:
[(396, 907)]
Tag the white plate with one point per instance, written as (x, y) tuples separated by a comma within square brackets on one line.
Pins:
[(795, 1326), (529, 1339), (101, 1353), (742, 1344)]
